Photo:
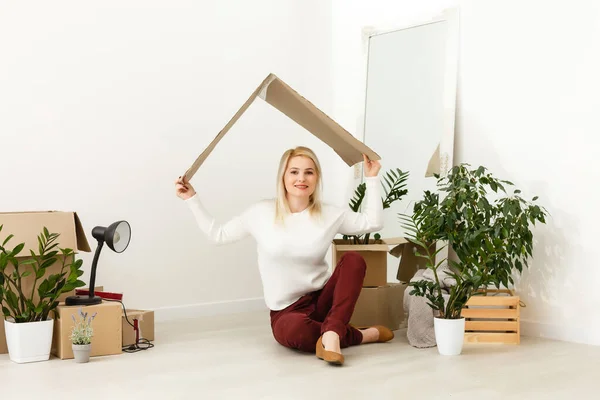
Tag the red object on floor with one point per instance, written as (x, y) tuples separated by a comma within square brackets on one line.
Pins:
[(104, 295)]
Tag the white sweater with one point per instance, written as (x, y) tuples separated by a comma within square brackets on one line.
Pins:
[(291, 256)]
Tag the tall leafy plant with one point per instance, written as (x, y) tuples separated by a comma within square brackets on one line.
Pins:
[(22, 305), (394, 187), (489, 229)]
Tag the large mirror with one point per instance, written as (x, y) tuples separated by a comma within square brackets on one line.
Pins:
[(410, 106)]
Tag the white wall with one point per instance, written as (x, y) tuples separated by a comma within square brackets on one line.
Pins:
[(103, 105), (527, 108)]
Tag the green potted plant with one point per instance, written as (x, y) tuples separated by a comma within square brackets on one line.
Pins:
[(28, 323), (81, 336), (394, 186), (489, 232)]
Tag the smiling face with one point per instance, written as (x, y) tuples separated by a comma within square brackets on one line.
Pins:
[(300, 177)]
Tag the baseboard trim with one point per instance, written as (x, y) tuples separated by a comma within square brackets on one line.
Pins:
[(164, 314), (566, 333)]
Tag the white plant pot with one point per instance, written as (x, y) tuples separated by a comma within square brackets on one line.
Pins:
[(81, 352), (29, 341), (449, 335)]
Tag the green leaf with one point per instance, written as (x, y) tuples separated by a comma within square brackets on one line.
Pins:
[(17, 249), (48, 263), (535, 198), (7, 239), (26, 274), (11, 299)]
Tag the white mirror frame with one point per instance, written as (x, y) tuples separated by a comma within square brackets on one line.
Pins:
[(446, 147)]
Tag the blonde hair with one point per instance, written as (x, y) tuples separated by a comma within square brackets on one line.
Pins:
[(282, 206)]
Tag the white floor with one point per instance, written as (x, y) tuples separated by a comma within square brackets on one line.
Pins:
[(235, 357)]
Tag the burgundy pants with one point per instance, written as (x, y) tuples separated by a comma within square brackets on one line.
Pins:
[(300, 325)]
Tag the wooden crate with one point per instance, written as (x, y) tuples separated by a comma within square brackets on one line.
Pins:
[(494, 318)]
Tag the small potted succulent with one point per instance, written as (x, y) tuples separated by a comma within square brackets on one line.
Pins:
[(81, 336)]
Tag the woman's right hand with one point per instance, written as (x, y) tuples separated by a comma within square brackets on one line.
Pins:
[(184, 189)]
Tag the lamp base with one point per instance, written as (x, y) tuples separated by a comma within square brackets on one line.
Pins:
[(82, 300)]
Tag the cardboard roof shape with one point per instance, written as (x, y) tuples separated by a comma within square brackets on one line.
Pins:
[(285, 99)]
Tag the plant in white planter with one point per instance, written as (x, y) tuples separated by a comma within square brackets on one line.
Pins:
[(27, 321), (81, 336), (492, 239), (449, 325)]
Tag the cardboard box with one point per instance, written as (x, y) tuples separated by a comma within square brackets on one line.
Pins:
[(381, 305), (375, 255), (410, 263), (285, 99), (26, 226), (107, 329), (145, 323)]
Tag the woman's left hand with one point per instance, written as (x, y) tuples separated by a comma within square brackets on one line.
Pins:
[(371, 167)]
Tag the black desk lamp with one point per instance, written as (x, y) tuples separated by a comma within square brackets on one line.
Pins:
[(117, 237)]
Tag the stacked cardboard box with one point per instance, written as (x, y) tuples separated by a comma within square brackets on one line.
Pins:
[(380, 301)]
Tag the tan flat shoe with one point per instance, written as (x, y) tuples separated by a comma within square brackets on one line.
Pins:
[(385, 334), (330, 356)]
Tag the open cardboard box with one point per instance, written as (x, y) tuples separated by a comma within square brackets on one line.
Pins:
[(107, 327), (410, 262), (26, 226), (375, 255), (382, 305), (145, 320), (285, 99)]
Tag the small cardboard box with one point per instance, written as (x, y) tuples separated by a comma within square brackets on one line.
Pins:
[(410, 263), (145, 324), (381, 305), (375, 255), (285, 99), (107, 329), (26, 226)]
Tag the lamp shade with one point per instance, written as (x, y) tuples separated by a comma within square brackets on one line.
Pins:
[(117, 236)]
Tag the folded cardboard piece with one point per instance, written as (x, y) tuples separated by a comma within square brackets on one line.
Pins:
[(375, 255), (410, 262), (26, 226), (285, 99), (107, 327), (433, 166), (382, 305)]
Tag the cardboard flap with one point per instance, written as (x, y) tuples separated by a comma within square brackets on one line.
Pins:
[(204, 155), (26, 226), (397, 251), (433, 167), (410, 262), (285, 99), (82, 242), (307, 115)]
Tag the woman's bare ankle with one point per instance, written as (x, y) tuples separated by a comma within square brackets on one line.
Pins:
[(370, 335), (331, 341)]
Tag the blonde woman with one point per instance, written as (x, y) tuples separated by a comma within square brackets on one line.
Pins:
[(310, 307)]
